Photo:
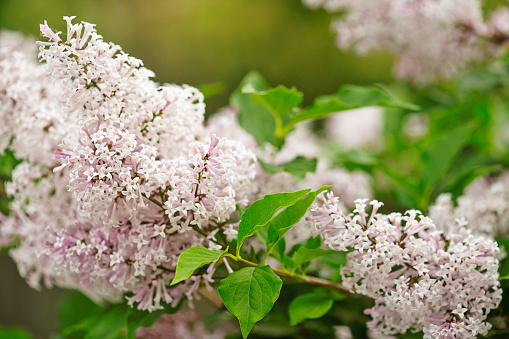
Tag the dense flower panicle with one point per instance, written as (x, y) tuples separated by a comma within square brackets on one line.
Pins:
[(430, 37), (206, 186), (132, 180), (484, 205), (421, 277), (110, 88)]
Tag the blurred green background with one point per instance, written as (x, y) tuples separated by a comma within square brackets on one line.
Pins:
[(197, 42)]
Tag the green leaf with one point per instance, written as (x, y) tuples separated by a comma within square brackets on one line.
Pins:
[(253, 117), (291, 216), (349, 97), (439, 157), (75, 308), (249, 294), (287, 218), (307, 254), (336, 259), (279, 250), (313, 242), (309, 306), (14, 333), (192, 259), (108, 322), (82, 318), (298, 167), (262, 233), (110, 325), (262, 211), (279, 101)]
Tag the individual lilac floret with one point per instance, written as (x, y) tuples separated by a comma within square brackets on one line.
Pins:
[(421, 278)]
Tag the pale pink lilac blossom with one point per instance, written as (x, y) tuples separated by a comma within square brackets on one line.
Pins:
[(430, 38), (357, 128), (439, 279), (144, 182), (484, 204)]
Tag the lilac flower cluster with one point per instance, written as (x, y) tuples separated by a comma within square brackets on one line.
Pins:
[(135, 182), (483, 205), (429, 37), (421, 277)]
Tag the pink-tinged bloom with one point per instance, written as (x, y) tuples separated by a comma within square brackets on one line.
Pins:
[(413, 271), (117, 175), (430, 38)]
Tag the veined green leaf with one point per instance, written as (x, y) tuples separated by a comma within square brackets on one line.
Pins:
[(279, 101), (109, 325), (262, 211), (192, 259), (289, 217), (309, 306), (254, 118), (304, 255), (249, 294), (350, 97)]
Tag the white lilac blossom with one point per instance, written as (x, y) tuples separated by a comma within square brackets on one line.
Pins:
[(442, 280), (484, 204), (431, 38), (135, 181), (342, 332), (343, 128)]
